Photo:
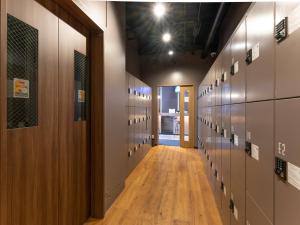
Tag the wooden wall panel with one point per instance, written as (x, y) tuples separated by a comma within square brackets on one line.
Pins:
[(74, 190), (32, 153)]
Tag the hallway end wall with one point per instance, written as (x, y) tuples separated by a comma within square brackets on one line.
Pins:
[(182, 69)]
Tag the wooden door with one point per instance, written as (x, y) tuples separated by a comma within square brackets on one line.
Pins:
[(74, 166), (32, 114), (187, 126)]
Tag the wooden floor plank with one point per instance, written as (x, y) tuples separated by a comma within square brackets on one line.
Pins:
[(169, 187)]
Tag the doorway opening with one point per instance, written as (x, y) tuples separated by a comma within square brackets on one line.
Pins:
[(176, 116), (169, 115)]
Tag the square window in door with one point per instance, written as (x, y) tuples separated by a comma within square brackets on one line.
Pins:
[(22, 74), (81, 78)]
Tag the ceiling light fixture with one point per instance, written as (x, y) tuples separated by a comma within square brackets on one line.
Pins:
[(171, 52), (159, 10), (166, 37)]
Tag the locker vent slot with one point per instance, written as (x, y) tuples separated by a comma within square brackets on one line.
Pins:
[(281, 30), (81, 76), (22, 72)]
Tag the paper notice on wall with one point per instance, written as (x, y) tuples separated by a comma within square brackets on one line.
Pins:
[(294, 175), (81, 96), (236, 67), (255, 52), (20, 88), (254, 151), (235, 213), (236, 140)]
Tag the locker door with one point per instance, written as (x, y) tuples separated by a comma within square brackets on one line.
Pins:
[(259, 162), (260, 49), (225, 79), (74, 164), (237, 71), (287, 51), (131, 131), (238, 164), (225, 178), (212, 88), (287, 188), (131, 90), (217, 83), (212, 148), (32, 53), (218, 161)]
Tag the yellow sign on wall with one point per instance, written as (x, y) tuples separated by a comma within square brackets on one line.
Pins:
[(81, 96), (21, 88)]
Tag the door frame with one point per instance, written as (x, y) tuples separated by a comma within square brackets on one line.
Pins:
[(155, 110), (191, 142), (70, 13)]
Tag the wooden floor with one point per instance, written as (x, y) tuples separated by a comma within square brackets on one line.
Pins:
[(169, 187)]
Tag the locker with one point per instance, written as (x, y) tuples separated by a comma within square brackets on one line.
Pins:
[(225, 158), (225, 77), (131, 90), (287, 50), (260, 156), (254, 214), (218, 155), (212, 147), (217, 82), (260, 52), (237, 155), (287, 188), (237, 70), (211, 87), (131, 130)]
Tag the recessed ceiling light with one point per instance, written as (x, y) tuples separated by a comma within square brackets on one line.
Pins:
[(171, 52), (159, 10), (166, 37)]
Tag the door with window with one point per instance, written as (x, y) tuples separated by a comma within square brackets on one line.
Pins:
[(187, 128)]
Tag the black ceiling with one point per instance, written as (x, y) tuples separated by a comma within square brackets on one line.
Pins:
[(189, 24)]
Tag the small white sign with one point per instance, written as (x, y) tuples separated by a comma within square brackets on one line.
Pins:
[(236, 213), (236, 140), (294, 175), (186, 99), (236, 67), (225, 133), (248, 135), (255, 52), (255, 152)]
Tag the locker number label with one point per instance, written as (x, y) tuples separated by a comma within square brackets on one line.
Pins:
[(294, 175), (281, 149)]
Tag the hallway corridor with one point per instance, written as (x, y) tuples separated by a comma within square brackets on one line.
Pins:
[(168, 187)]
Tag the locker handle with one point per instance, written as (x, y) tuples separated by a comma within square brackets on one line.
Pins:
[(281, 30), (232, 70), (249, 57), (232, 138), (231, 206), (216, 173), (222, 132), (211, 164), (222, 186), (248, 149)]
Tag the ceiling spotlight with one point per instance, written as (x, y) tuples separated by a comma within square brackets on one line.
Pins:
[(171, 52), (166, 37), (159, 10)]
